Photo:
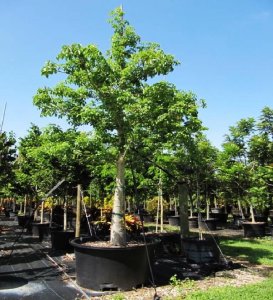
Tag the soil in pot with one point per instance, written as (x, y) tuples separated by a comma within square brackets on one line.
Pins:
[(256, 229), (111, 268)]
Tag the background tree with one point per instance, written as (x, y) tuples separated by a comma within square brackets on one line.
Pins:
[(7, 161), (48, 155), (245, 162)]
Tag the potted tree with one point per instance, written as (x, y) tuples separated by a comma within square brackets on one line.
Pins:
[(110, 92), (257, 199), (247, 157)]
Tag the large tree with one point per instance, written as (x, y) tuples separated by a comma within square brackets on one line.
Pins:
[(112, 93)]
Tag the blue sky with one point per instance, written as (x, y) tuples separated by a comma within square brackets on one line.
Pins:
[(225, 49)]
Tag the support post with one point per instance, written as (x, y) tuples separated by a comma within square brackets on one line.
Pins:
[(78, 212)]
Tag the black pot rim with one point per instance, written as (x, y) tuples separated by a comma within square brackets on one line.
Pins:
[(77, 243), (197, 240), (61, 230), (254, 223)]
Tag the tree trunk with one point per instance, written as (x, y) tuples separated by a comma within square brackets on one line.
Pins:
[(25, 205), (240, 209), (207, 209), (118, 230), (21, 207), (157, 213), (65, 216), (183, 209), (160, 195), (252, 214)]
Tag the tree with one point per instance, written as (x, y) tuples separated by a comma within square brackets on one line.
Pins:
[(48, 155), (7, 162), (245, 162), (111, 93)]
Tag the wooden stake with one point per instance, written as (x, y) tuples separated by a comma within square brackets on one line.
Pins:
[(78, 212)]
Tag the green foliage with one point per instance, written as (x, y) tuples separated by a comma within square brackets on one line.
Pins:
[(183, 286), (152, 204), (118, 296), (110, 92), (244, 165), (7, 163), (46, 156)]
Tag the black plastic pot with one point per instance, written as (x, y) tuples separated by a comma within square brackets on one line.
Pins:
[(25, 221), (260, 218), (254, 229), (174, 220), (60, 240), (200, 251), (221, 218), (271, 230), (208, 224), (238, 220), (193, 222), (148, 218), (167, 243), (40, 230), (111, 268)]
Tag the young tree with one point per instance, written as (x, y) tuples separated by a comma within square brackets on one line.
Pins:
[(111, 93)]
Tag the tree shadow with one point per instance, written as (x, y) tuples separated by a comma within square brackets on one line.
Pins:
[(244, 252)]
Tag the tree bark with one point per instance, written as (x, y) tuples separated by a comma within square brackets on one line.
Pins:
[(183, 209), (118, 230)]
